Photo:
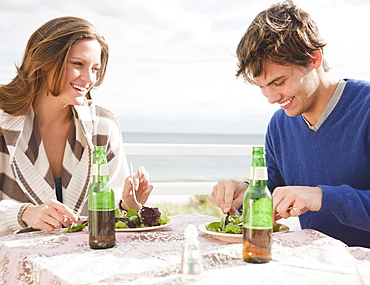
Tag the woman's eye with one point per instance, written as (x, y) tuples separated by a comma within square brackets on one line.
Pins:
[(77, 63)]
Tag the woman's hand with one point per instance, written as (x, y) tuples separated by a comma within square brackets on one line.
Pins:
[(49, 216), (142, 189), (228, 195)]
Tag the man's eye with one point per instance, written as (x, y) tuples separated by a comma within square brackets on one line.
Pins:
[(279, 83)]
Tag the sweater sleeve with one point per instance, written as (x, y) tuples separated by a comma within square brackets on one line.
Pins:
[(350, 206), (275, 178), (10, 212)]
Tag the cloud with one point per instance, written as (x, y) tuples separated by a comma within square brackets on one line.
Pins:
[(172, 63)]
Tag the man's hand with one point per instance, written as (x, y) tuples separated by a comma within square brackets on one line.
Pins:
[(295, 200), (228, 195)]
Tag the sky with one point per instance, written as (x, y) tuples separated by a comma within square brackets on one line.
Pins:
[(172, 63)]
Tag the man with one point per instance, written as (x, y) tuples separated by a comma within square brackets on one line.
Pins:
[(318, 143)]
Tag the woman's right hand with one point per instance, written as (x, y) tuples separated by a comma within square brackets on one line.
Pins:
[(49, 216), (142, 189), (228, 195)]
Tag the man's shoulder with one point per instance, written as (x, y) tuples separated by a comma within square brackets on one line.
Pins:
[(356, 93), (356, 84)]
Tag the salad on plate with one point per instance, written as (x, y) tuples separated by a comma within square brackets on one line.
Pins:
[(234, 225), (147, 217)]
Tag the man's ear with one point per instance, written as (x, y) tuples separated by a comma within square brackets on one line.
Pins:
[(317, 58)]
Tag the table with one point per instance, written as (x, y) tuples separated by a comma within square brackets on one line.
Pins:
[(153, 257)]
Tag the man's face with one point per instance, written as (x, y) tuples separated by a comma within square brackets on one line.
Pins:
[(293, 87)]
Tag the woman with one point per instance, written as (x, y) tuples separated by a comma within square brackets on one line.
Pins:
[(49, 127)]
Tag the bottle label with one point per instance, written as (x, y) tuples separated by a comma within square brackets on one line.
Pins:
[(94, 169), (260, 173), (104, 169), (258, 214), (101, 200)]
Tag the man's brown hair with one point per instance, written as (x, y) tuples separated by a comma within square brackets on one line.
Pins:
[(282, 34)]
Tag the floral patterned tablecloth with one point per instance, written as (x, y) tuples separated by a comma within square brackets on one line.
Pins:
[(153, 257)]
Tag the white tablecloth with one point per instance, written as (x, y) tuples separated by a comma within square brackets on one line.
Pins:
[(153, 257)]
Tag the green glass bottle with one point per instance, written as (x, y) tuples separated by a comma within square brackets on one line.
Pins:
[(101, 204), (257, 212)]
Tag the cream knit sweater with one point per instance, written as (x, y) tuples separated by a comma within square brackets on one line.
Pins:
[(25, 174)]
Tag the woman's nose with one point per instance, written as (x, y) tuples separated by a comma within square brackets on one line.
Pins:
[(88, 76)]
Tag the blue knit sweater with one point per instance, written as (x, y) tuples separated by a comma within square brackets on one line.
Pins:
[(336, 158)]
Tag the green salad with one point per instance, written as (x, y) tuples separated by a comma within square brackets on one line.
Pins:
[(146, 217), (234, 225)]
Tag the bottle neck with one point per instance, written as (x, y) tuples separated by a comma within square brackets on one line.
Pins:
[(100, 179), (259, 175), (258, 183), (100, 173)]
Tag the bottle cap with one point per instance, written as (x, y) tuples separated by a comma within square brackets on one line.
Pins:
[(191, 232)]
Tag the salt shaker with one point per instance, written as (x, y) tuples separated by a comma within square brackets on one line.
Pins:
[(191, 261)]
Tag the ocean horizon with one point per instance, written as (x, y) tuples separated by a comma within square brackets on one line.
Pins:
[(201, 138), (170, 168)]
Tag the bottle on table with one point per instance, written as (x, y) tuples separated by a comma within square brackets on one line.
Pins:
[(101, 204), (257, 212), (191, 260)]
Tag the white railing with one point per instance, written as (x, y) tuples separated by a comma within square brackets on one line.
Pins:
[(187, 149), (186, 188)]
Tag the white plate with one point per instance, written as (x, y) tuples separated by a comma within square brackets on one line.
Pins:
[(169, 223), (232, 238)]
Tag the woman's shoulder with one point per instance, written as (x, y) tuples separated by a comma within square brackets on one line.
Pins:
[(104, 112), (96, 117), (102, 115), (97, 112), (106, 125)]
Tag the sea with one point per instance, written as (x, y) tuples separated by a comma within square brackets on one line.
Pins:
[(170, 168)]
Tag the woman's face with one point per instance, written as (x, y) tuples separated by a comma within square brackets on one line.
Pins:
[(83, 64)]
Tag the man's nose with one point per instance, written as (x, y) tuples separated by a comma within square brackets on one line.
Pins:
[(272, 95)]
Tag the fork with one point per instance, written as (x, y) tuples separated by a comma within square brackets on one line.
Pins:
[(133, 188), (225, 221)]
